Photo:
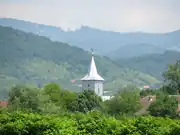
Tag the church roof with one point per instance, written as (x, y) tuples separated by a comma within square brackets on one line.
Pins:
[(92, 73)]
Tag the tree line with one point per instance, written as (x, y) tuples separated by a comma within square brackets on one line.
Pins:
[(53, 110)]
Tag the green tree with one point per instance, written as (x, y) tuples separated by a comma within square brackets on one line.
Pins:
[(67, 97), (167, 88), (53, 90), (86, 101), (24, 97), (126, 101), (172, 78), (58, 96), (165, 105), (147, 92), (32, 99)]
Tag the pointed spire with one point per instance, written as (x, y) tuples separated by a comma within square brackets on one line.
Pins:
[(92, 73), (92, 68), (92, 51)]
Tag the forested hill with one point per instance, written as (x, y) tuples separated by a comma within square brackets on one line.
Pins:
[(108, 43), (32, 59), (153, 64)]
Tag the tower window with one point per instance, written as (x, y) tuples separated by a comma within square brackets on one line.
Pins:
[(88, 85)]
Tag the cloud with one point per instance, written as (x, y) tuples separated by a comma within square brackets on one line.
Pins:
[(116, 15)]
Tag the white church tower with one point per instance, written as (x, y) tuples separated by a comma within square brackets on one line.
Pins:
[(93, 81)]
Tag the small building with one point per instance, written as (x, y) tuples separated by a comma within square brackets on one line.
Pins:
[(93, 81), (104, 98), (3, 104), (147, 100)]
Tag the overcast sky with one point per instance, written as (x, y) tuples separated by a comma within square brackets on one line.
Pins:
[(117, 15)]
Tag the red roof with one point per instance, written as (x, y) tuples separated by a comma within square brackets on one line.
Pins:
[(73, 81), (3, 103), (178, 109), (146, 87)]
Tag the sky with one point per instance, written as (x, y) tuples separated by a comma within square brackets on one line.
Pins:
[(153, 16)]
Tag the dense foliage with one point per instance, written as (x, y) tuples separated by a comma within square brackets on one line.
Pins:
[(86, 101), (164, 105), (172, 76), (126, 101), (19, 123)]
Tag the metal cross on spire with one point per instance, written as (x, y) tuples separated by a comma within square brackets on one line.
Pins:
[(92, 51)]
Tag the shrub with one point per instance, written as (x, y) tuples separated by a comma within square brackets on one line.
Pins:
[(91, 123)]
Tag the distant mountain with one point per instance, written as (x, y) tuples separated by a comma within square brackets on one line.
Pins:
[(134, 50), (35, 60), (104, 42), (153, 64)]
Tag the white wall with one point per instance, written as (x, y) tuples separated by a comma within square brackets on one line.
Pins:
[(96, 86)]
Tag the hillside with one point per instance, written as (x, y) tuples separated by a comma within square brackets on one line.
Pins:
[(104, 42), (35, 60), (134, 50), (153, 64)]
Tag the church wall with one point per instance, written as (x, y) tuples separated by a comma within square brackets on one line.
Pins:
[(96, 86), (88, 85), (99, 88)]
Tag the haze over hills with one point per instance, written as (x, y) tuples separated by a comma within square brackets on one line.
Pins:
[(35, 60), (153, 64), (134, 50), (104, 42)]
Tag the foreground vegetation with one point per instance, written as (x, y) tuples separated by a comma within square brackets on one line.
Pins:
[(54, 111), (51, 110), (19, 123)]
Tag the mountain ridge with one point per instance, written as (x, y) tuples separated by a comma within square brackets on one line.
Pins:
[(88, 27), (104, 42)]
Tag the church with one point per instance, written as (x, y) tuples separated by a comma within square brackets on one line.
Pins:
[(93, 81)]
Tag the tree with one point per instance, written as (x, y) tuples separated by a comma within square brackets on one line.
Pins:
[(50, 99), (165, 105), (24, 97), (58, 96), (53, 90), (126, 101), (167, 88), (86, 101), (67, 97), (32, 99), (147, 92), (172, 77)]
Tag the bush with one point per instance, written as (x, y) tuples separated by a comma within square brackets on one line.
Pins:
[(19, 123), (164, 106), (34, 124)]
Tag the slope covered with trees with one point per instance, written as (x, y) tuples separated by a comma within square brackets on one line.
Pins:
[(153, 64), (135, 50), (27, 58)]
